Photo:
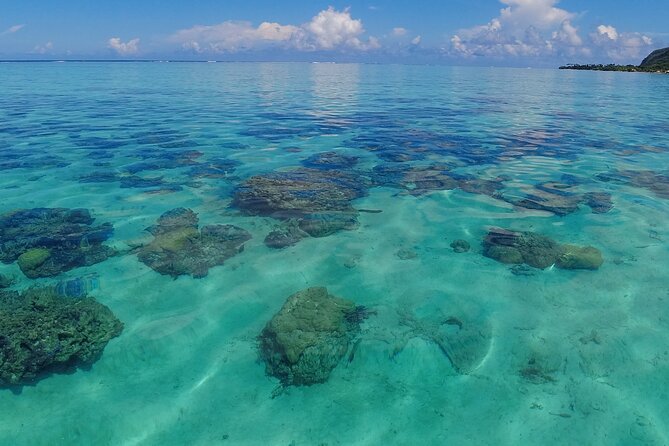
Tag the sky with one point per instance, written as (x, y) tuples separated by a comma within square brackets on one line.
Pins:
[(456, 32)]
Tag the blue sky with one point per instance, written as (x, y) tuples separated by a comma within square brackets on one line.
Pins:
[(464, 32)]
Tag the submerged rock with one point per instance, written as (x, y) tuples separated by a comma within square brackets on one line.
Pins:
[(460, 246), (318, 200), (299, 192), (420, 180), (538, 251), (330, 160), (6, 281), (327, 223), (308, 337), (560, 199), (214, 168), (415, 180), (578, 257), (288, 234), (77, 287), (49, 241), (406, 254), (179, 248), (599, 202), (656, 182), (41, 332)]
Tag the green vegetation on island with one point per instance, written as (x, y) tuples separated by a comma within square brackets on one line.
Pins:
[(657, 61)]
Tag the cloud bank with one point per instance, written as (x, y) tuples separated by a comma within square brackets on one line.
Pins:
[(329, 30), (539, 28), (128, 48)]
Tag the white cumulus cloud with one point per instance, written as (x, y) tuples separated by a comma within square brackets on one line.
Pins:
[(523, 28), (538, 13), (124, 48), (399, 31), (233, 36), (330, 29), (620, 46), (539, 28), (43, 49), (608, 31)]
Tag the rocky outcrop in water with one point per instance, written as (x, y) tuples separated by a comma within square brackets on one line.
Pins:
[(319, 201), (656, 182), (460, 246), (560, 199), (538, 251), (49, 241), (330, 160), (42, 332), (420, 180), (308, 337), (285, 235), (179, 248)]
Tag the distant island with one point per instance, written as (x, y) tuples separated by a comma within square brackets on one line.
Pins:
[(656, 62)]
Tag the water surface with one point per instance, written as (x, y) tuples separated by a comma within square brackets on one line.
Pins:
[(563, 357)]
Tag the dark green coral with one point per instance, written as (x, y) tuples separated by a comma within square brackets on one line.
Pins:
[(307, 338), (538, 251), (42, 332), (180, 248)]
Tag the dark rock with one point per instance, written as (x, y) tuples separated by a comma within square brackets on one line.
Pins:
[(656, 182), (559, 204), (406, 254), (133, 181), (560, 199), (538, 251), (460, 246), (215, 168), (330, 160), (285, 235), (481, 186), (308, 337), (6, 281), (174, 219), (599, 202), (49, 241), (533, 249), (320, 200), (415, 180), (424, 179), (41, 332), (577, 257), (324, 224), (523, 270), (179, 248), (299, 192), (99, 177)]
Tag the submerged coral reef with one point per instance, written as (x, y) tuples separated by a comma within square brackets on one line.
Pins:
[(308, 337), (560, 199), (49, 241), (420, 180), (179, 248), (656, 182), (42, 332), (319, 201), (538, 251)]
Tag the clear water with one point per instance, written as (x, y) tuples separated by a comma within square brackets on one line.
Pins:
[(567, 357)]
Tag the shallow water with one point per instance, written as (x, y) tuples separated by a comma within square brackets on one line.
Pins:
[(559, 357)]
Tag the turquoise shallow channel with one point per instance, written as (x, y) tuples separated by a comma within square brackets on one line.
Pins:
[(332, 254)]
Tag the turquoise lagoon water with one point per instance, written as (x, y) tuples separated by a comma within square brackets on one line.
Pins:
[(557, 356)]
